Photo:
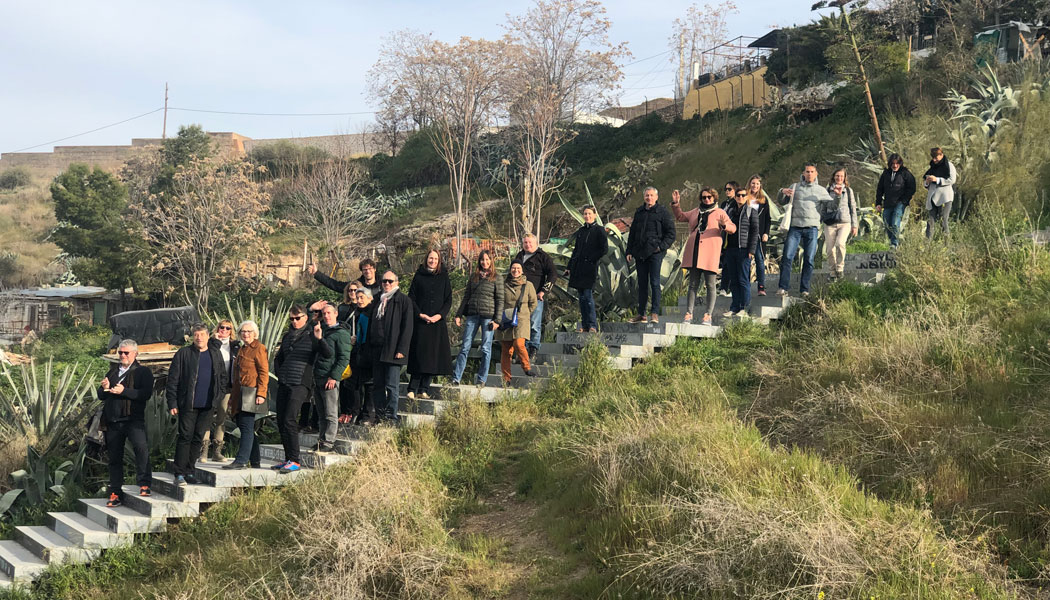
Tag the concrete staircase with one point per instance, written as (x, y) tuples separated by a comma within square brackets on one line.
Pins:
[(81, 536)]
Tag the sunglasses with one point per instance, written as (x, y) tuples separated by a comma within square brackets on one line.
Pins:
[(729, 189), (225, 328), (708, 196), (390, 281), (293, 319), (124, 352), (741, 194)]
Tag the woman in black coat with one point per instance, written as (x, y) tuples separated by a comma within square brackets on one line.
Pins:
[(430, 353), (591, 245)]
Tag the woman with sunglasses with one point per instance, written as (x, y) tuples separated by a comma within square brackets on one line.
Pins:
[(741, 242), (293, 365), (223, 341), (703, 248)]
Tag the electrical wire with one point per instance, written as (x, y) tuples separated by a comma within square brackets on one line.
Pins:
[(255, 114), (92, 131)]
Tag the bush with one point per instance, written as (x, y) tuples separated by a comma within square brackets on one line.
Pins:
[(15, 178), (417, 165)]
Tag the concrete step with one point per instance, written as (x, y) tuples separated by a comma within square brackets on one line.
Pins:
[(423, 406), (51, 547), (484, 394), (6, 583), (84, 532), (349, 439), (653, 340), (158, 505), (204, 494), (18, 563), (213, 474), (543, 370), (308, 458), (570, 348), (119, 519), (665, 327)]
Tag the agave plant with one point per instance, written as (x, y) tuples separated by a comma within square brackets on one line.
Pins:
[(616, 287), (271, 321)]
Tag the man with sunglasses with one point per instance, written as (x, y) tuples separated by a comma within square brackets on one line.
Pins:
[(389, 336), (223, 341), (293, 366), (197, 380), (124, 392)]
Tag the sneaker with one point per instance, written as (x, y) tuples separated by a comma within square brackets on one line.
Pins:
[(456, 382), (654, 318), (639, 319), (180, 481), (290, 467), (326, 448), (706, 320), (728, 313), (144, 491), (192, 479), (279, 466), (424, 395), (782, 292), (688, 318), (761, 291), (724, 293), (742, 314), (579, 330), (531, 373), (235, 466), (805, 294), (592, 330), (114, 501)]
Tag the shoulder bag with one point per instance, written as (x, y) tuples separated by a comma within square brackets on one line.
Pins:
[(512, 321)]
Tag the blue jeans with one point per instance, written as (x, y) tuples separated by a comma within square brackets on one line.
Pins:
[(471, 324), (739, 264), (385, 390), (806, 238), (891, 218), (649, 280), (760, 267), (588, 316), (248, 453), (535, 327)]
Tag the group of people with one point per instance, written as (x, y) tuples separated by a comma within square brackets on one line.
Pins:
[(345, 359)]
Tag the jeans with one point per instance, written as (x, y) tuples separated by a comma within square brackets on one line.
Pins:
[(588, 316), (471, 324), (739, 263), (835, 246), (385, 392), (507, 350), (116, 434), (248, 453), (760, 265), (891, 218), (193, 422), (649, 280), (806, 238), (709, 279), (326, 403), (938, 213), (289, 402), (536, 327)]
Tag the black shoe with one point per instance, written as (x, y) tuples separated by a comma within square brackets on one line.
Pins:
[(235, 465), (532, 354), (192, 479), (256, 466), (531, 373), (326, 447)]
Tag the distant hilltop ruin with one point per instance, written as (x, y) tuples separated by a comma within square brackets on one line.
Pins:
[(228, 143)]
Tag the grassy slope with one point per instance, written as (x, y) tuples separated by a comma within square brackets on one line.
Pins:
[(26, 216)]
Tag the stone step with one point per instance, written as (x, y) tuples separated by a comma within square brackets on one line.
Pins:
[(18, 563), (653, 340), (51, 547), (206, 494), (86, 533), (423, 406), (543, 370), (119, 519), (484, 394), (212, 474), (6, 583), (308, 458), (158, 505), (563, 360), (349, 439), (571, 348), (665, 327)]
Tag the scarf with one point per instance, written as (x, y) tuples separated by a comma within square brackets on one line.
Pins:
[(939, 169), (382, 303)]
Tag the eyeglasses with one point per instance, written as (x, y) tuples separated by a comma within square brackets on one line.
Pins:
[(708, 196), (741, 194), (225, 328), (390, 281), (729, 189), (124, 352), (294, 319), (244, 331)]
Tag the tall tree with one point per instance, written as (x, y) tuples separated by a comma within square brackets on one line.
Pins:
[(90, 206), (562, 64), (323, 201), (702, 28)]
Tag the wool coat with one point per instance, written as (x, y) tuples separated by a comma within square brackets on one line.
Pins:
[(511, 291), (430, 352), (652, 231), (703, 249), (251, 368), (591, 245), (390, 334), (130, 404)]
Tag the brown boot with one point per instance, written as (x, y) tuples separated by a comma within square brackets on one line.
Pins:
[(216, 452)]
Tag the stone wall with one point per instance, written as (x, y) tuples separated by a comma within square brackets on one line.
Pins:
[(352, 145)]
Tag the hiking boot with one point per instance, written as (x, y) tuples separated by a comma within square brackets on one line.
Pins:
[(290, 467), (145, 492), (216, 452), (114, 501)]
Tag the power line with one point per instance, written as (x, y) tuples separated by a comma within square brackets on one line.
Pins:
[(92, 131), (648, 58), (254, 114)]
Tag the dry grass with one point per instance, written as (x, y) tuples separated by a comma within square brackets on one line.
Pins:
[(26, 217)]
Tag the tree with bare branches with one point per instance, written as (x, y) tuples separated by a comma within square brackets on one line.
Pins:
[(323, 201), (198, 233), (562, 64), (702, 28)]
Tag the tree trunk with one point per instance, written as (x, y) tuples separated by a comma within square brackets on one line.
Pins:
[(867, 88)]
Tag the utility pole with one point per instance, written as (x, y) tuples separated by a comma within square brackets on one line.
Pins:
[(164, 130)]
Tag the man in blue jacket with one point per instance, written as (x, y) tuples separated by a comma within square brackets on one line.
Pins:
[(197, 379)]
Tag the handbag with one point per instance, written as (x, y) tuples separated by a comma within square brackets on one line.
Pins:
[(785, 220), (512, 321), (248, 395)]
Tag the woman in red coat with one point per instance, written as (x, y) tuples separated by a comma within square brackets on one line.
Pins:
[(704, 246)]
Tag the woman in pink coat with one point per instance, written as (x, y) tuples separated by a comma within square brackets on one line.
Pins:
[(704, 246)]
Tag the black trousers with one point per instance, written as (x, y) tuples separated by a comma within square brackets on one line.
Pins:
[(193, 422), (362, 404), (289, 402), (116, 435)]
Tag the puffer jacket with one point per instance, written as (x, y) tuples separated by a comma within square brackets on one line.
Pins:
[(842, 208), (483, 298), (652, 231), (294, 361)]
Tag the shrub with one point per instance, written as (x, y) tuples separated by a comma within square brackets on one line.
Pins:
[(15, 177)]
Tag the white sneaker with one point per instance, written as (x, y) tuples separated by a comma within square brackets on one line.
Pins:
[(782, 292), (411, 395)]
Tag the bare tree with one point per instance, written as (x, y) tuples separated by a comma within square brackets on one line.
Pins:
[(562, 63), (323, 200), (391, 129), (199, 233), (702, 28), (451, 89)]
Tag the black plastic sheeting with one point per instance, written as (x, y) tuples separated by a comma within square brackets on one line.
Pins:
[(170, 325)]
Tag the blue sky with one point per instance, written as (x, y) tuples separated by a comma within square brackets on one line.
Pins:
[(69, 67)]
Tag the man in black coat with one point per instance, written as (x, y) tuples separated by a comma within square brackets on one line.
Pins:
[(652, 233), (367, 278), (124, 392), (893, 195), (591, 245), (389, 335), (197, 379), (539, 270)]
